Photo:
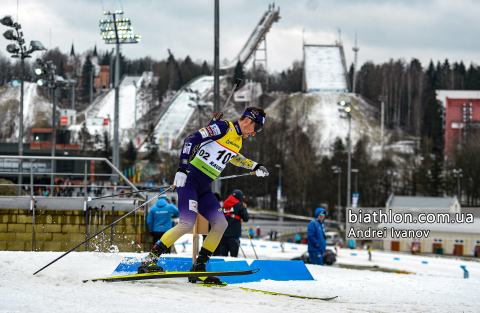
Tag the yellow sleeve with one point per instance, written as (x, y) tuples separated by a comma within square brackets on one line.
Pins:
[(241, 161)]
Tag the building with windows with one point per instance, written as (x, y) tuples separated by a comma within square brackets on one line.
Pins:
[(445, 230), (462, 116)]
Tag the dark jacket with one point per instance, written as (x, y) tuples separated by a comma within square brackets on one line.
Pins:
[(234, 212), (159, 218), (316, 239)]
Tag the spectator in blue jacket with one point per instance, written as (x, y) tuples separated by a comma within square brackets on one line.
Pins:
[(316, 239), (159, 219)]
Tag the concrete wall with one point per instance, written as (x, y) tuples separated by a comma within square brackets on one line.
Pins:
[(61, 230)]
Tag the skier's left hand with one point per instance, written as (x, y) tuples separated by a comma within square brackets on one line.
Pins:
[(261, 171)]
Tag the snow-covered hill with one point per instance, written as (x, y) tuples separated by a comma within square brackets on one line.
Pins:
[(321, 111), (37, 110)]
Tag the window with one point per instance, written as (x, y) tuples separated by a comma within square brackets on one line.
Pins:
[(459, 241)]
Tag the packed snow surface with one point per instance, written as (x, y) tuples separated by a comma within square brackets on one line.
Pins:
[(324, 69), (59, 288)]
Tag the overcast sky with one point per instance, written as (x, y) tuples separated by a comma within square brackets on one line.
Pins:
[(425, 29)]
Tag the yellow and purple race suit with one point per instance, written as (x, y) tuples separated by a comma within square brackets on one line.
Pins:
[(219, 144)]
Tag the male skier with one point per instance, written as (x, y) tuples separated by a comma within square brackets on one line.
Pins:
[(219, 144)]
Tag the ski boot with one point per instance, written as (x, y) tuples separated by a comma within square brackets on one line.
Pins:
[(200, 265), (149, 263)]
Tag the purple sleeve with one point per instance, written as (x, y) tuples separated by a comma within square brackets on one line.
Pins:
[(214, 131)]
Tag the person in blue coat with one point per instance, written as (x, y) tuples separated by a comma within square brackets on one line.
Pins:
[(316, 239), (159, 219)]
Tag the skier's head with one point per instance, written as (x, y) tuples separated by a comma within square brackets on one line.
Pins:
[(320, 214), (252, 121), (238, 194)]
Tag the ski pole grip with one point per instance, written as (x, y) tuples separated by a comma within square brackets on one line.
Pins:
[(237, 81), (253, 173)]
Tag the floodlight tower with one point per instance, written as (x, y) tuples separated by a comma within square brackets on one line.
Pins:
[(355, 49), (116, 31), (346, 113), (19, 50), (49, 79)]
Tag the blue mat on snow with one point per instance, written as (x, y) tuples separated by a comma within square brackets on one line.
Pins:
[(269, 269), (172, 264)]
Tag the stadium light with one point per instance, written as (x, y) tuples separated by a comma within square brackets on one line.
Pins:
[(12, 48), (9, 35), (40, 82), (7, 21), (117, 30), (36, 46)]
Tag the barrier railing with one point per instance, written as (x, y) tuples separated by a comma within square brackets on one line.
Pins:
[(84, 186)]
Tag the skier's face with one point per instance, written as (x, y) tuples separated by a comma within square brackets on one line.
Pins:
[(248, 127), (321, 217)]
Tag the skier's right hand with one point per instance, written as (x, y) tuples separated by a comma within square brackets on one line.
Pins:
[(180, 177)]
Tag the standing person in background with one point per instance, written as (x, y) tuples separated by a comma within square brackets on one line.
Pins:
[(298, 238), (235, 212), (258, 232), (159, 219), (251, 232), (316, 239)]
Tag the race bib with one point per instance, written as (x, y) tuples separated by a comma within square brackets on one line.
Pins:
[(193, 206)]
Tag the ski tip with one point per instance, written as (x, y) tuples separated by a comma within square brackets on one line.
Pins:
[(255, 270)]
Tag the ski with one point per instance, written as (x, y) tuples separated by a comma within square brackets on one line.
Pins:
[(269, 292), (287, 295), (157, 275)]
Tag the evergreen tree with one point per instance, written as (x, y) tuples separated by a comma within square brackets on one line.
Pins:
[(188, 69), (436, 180), (338, 147), (105, 59), (106, 151), (85, 139), (130, 154), (205, 69), (152, 147), (86, 76), (432, 79), (433, 132), (473, 78), (239, 72), (175, 75), (350, 76)]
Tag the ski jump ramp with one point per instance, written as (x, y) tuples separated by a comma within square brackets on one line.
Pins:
[(269, 17), (178, 113), (325, 69)]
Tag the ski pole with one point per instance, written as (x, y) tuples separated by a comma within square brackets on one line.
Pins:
[(219, 115), (250, 241), (129, 193), (242, 250), (233, 176), (102, 230)]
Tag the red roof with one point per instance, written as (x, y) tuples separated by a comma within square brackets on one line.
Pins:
[(104, 68)]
